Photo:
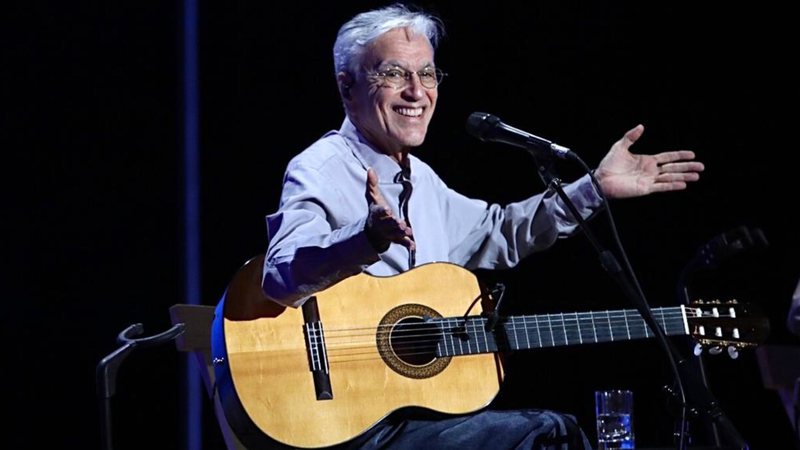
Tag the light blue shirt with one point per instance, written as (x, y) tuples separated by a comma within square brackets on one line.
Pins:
[(317, 237)]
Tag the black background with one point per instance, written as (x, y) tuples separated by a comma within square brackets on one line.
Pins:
[(92, 123)]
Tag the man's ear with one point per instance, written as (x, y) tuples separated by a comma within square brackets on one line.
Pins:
[(345, 81)]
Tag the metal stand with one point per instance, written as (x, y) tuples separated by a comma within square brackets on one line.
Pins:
[(109, 366), (693, 393), (709, 256)]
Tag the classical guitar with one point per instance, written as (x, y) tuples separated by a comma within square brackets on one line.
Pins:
[(324, 373)]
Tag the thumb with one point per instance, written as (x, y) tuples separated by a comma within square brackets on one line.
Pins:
[(373, 191), (632, 135)]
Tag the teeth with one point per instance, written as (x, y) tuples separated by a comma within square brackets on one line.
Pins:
[(410, 112)]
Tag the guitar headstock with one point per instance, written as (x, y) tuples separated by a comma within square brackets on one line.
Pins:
[(718, 325)]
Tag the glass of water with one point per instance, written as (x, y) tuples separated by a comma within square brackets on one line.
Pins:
[(614, 413)]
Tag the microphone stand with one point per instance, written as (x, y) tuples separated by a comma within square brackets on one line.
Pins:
[(109, 366), (709, 256), (686, 380)]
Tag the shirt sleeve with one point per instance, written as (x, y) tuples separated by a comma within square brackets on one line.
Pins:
[(499, 237), (308, 249)]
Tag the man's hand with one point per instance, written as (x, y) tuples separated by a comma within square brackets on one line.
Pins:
[(623, 174), (383, 227)]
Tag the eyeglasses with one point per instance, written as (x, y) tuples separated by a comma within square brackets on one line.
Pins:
[(398, 78)]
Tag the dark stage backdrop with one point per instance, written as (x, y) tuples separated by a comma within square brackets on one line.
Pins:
[(92, 117)]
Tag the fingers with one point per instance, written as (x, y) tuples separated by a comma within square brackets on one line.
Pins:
[(632, 135), (677, 155), (391, 229), (409, 243), (382, 225), (373, 191), (668, 187), (679, 177), (679, 167)]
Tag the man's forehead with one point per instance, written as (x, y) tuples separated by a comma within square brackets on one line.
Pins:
[(400, 47)]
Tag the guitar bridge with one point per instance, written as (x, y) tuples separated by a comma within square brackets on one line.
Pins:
[(316, 350)]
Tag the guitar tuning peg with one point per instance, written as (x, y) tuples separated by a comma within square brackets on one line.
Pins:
[(715, 350), (698, 349), (733, 352)]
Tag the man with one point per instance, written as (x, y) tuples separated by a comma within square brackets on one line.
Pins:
[(358, 201), (793, 319)]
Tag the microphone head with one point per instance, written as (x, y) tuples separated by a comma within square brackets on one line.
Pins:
[(480, 124)]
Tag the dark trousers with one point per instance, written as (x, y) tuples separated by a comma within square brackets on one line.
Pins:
[(487, 429)]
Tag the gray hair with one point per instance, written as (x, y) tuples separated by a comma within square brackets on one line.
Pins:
[(364, 28)]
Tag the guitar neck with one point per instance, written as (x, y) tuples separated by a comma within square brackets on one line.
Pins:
[(474, 334)]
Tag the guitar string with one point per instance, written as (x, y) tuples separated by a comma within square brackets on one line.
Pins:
[(555, 320), (568, 322), (515, 324)]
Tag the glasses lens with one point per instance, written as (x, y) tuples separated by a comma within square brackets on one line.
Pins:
[(394, 77), (428, 78), (399, 78)]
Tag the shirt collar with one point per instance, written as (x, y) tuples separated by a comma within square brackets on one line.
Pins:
[(385, 167)]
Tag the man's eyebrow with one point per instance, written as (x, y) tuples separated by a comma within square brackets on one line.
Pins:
[(395, 63)]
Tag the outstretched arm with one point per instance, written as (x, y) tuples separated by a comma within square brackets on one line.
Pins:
[(624, 174)]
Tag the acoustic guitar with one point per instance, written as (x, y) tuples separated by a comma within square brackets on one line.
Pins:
[(326, 372)]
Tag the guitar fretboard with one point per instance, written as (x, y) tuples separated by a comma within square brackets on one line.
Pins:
[(470, 335)]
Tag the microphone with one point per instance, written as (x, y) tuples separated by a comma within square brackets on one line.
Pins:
[(487, 127)]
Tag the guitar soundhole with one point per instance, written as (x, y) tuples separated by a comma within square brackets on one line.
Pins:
[(414, 342), (407, 344)]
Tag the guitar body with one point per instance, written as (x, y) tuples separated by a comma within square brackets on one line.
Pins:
[(264, 366), (367, 346)]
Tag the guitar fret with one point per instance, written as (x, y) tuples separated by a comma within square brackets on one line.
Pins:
[(527, 335), (469, 335), (450, 336), (451, 350), (464, 336), (641, 328), (610, 330), (581, 328), (578, 322), (627, 328), (441, 351), (472, 336), (572, 333), (510, 328), (459, 340), (512, 322), (526, 320), (485, 340), (461, 331)]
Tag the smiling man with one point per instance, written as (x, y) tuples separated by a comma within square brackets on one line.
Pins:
[(391, 95), (358, 201)]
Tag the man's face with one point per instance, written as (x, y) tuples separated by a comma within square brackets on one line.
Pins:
[(393, 118)]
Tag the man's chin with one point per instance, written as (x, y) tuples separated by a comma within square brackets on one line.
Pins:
[(413, 139)]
